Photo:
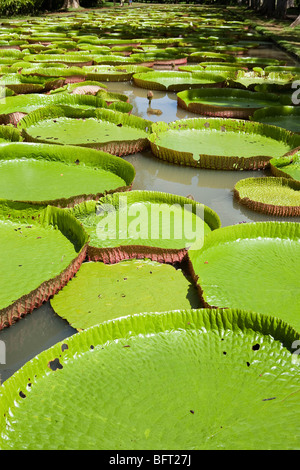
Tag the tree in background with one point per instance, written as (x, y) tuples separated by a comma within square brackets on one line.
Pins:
[(71, 4)]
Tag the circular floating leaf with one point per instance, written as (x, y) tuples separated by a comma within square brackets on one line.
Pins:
[(60, 175), (227, 144), (176, 81), (273, 196), (253, 80), (13, 108), (288, 166), (251, 266), (287, 117), (144, 224), (102, 292), (193, 379), (225, 102), (42, 248), (111, 73), (103, 129), (21, 84)]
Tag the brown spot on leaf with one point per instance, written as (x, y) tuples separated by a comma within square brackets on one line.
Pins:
[(55, 364)]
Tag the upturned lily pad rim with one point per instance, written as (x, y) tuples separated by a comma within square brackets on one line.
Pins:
[(151, 80), (67, 224), (70, 155), (242, 112), (112, 255), (277, 165), (266, 208), (55, 99), (220, 124), (274, 111), (14, 389), (10, 133), (280, 230), (108, 115)]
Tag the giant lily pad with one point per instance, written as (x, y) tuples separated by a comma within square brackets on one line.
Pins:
[(288, 166), (229, 144), (183, 380), (60, 175), (143, 224), (287, 117), (13, 108), (111, 131), (225, 102), (273, 196), (272, 82), (21, 84), (9, 134), (176, 81), (251, 266), (113, 73), (102, 292), (42, 248)]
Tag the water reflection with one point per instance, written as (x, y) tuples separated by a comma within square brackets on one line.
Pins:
[(212, 188)]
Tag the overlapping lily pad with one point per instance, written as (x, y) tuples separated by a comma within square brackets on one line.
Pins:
[(42, 248), (189, 379), (288, 166), (9, 134), (102, 292), (256, 80), (13, 108), (273, 196), (251, 266), (216, 143), (103, 129), (225, 102), (21, 84), (144, 224), (176, 81), (287, 117), (60, 175), (111, 73)]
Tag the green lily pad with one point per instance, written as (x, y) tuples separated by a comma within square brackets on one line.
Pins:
[(9, 134), (273, 196), (271, 82), (13, 108), (183, 380), (225, 102), (79, 60), (251, 266), (102, 292), (21, 84), (42, 248), (287, 117), (51, 70), (103, 129), (111, 73), (288, 166), (60, 175), (207, 56), (176, 81), (220, 143), (141, 224)]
